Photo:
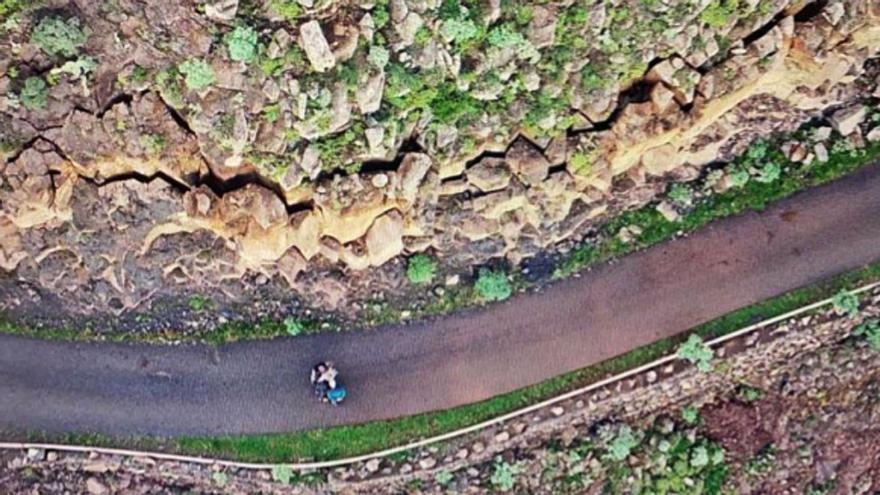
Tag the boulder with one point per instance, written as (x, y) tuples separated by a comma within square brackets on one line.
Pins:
[(412, 172), (369, 94), (490, 174), (847, 120), (221, 10), (668, 211), (313, 42), (384, 240), (660, 159), (95, 487), (527, 162)]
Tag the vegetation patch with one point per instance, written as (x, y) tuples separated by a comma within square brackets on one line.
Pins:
[(59, 37), (34, 93), (198, 75), (420, 269), (493, 285), (242, 44)]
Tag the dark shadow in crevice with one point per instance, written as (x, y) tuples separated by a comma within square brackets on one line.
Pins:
[(811, 11)]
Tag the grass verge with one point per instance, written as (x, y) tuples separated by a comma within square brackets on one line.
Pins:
[(339, 442)]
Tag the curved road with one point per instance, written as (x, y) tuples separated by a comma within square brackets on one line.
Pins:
[(395, 371)]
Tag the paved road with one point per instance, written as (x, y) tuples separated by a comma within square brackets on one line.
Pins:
[(395, 371)]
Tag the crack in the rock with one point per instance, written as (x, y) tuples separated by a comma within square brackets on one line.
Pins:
[(175, 184)]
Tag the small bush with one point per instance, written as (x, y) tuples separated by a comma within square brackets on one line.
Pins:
[(242, 44), (493, 285), (378, 56), (718, 13), (697, 353), (580, 164), (621, 444), (681, 194), (771, 172), (504, 475), (9, 8), (846, 304), (294, 326), (690, 415), (870, 330), (421, 269), (739, 177), (459, 30), (59, 37), (198, 74), (282, 474), (288, 9), (443, 477), (199, 303), (34, 94), (220, 479), (153, 144), (748, 393)]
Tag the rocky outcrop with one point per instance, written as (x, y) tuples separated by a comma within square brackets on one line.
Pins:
[(261, 173)]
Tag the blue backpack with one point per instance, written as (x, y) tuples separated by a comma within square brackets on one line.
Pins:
[(337, 394)]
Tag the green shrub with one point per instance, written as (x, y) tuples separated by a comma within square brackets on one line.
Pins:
[(771, 172), (739, 177), (846, 303), (621, 444), (282, 473), (718, 13), (294, 326), (220, 479), (697, 353), (690, 415), (421, 269), (8, 8), (504, 36), (378, 56), (443, 477), (493, 285), (459, 30), (34, 93), (380, 14), (504, 475), (242, 44), (581, 164), (681, 194), (199, 303), (198, 74), (272, 113), (59, 37), (288, 9), (870, 330), (152, 143), (747, 393)]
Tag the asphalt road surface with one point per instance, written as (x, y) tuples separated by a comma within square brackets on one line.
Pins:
[(401, 370)]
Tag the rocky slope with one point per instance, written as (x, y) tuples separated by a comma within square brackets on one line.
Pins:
[(278, 151)]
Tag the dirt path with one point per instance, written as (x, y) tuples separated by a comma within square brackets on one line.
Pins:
[(395, 371)]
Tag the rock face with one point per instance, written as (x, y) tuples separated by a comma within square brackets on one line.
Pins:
[(299, 165)]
